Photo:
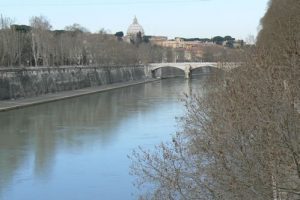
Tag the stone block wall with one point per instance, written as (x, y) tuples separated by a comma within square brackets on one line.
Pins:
[(28, 82)]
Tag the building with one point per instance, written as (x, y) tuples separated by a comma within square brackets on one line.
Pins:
[(157, 39), (134, 31), (192, 50), (184, 49)]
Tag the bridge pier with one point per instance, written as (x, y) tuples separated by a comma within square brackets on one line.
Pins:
[(187, 72)]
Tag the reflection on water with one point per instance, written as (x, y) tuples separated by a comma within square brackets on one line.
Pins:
[(77, 148)]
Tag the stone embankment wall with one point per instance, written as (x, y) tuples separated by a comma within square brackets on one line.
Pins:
[(28, 82)]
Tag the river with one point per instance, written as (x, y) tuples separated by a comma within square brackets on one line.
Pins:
[(77, 149)]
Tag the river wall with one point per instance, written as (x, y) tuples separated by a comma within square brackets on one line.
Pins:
[(34, 81)]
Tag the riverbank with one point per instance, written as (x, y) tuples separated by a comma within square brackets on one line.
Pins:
[(19, 83), (25, 102)]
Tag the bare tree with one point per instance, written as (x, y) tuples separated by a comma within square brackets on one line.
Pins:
[(7, 40), (241, 139), (38, 45), (40, 40)]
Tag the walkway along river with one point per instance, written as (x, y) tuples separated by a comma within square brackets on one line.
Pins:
[(77, 148)]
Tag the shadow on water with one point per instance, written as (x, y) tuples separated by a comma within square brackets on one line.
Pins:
[(32, 139)]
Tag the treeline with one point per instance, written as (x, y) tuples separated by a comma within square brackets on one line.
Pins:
[(39, 45), (241, 140), (227, 41)]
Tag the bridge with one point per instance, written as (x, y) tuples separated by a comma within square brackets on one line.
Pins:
[(187, 67)]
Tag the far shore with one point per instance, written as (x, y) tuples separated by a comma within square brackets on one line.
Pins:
[(6, 105)]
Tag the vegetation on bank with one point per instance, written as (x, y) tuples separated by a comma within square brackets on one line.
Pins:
[(227, 41), (240, 140), (39, 45)]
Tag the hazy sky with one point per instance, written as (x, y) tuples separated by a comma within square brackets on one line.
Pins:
[(184, 18)]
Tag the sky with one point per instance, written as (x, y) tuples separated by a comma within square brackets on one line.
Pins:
[(171, 18)]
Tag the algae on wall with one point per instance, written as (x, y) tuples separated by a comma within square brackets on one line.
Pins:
[(28, 82)]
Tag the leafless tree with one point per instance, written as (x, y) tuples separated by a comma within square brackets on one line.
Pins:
[(241, 138), (40, 40), (38, 45)]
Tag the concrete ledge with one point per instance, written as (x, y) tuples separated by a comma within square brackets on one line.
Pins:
[(25, 102)]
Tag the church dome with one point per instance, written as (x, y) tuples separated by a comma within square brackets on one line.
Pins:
[(135, 28)]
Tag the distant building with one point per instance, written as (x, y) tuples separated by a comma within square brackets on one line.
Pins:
[(134, 31), (135, 28), (238, 43), (158, 39), (187, 48), (192, 49)]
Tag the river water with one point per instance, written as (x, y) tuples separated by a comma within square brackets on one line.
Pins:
[(77, 148)]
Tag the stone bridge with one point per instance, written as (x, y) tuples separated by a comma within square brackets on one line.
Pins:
[(187, 67)]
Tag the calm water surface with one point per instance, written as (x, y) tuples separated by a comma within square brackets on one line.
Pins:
[(77, 148)]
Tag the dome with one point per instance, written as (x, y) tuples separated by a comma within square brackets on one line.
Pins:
[(135, 28)]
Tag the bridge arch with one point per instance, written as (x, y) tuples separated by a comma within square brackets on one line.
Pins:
[(166, 66), (155, 70)]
